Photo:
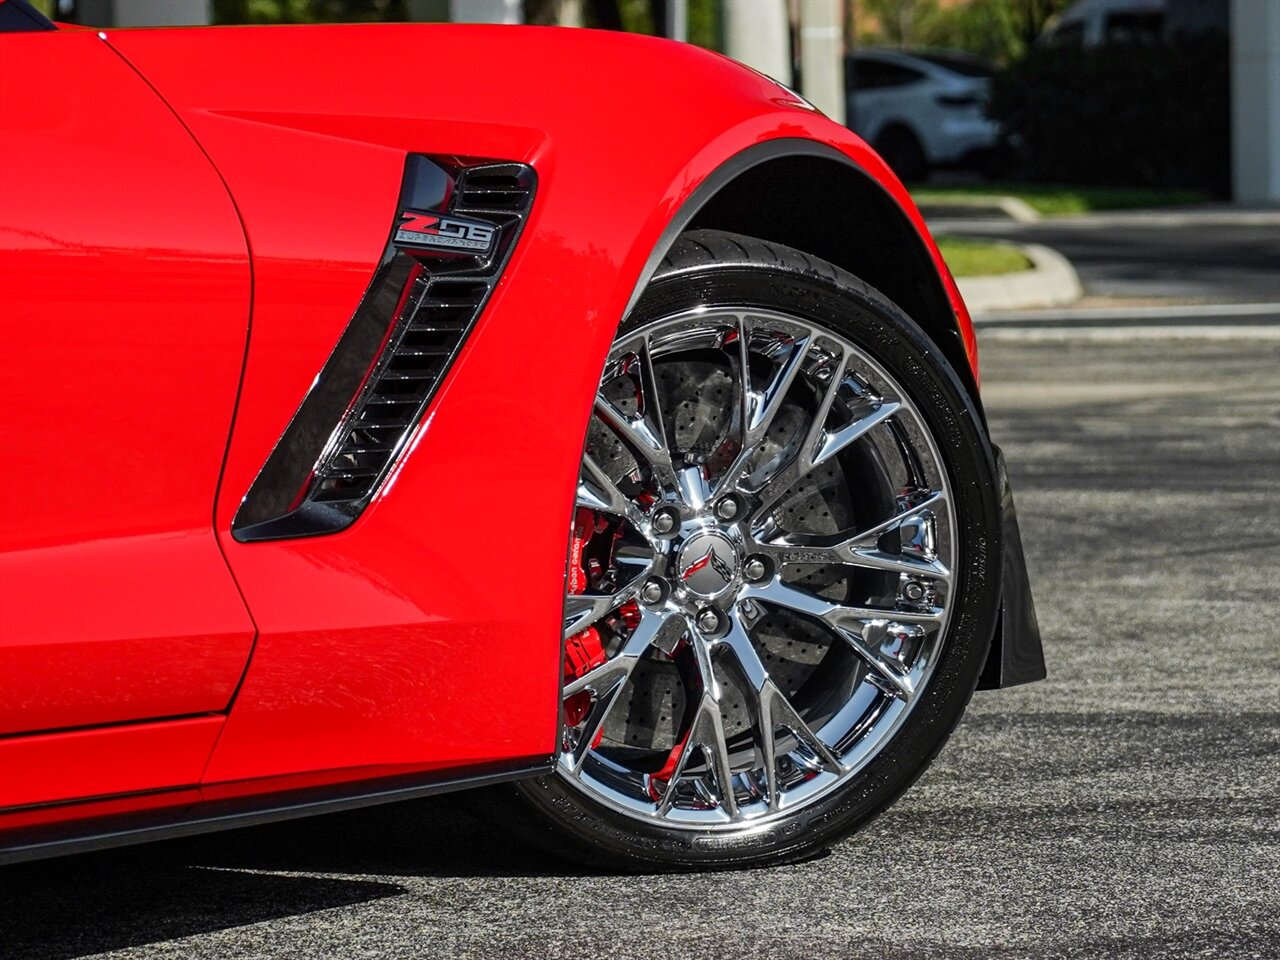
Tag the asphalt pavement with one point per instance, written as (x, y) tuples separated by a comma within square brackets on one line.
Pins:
[(1128, 807), (1217, 254)]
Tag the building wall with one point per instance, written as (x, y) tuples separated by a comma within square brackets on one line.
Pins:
[(1255, 100), (142, 13)]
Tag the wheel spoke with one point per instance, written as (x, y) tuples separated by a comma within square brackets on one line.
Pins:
[(819, 446), (899, 563), (649, 629), (793, 548), (870, 642), (854, 625), (645, 435), (582, 610), (763, 407), (772, 709), (604, 696), (706, 735), (806, 456), (792, 598), (917, 556), (869, 538), (606, 681), (760, 408), (597, 492), (838, 440)]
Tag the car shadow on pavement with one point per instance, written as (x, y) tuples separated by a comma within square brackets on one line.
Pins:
[(446, 836), (93, 903)]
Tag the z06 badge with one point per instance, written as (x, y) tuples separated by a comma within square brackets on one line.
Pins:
[(438, 231)]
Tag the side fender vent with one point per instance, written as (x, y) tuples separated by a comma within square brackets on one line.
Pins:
[(495, 188), (457, 223)]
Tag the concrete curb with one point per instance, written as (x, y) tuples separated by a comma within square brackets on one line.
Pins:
[(1051, 282), (979, 208)]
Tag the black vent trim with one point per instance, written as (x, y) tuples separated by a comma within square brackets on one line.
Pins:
[(404, 336)]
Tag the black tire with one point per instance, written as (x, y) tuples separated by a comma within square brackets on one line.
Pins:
[(708, 268), (901, 149)]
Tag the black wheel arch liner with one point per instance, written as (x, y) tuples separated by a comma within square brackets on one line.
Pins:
[(810, 196)]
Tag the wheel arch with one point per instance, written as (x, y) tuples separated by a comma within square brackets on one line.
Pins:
[(811, 197)]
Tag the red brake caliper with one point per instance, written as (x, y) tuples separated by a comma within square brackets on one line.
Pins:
[(584, 651), (668, 770)]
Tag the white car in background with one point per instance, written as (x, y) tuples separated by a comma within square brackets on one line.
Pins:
[(921, 109), (1092, 23)]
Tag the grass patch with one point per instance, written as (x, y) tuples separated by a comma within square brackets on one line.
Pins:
[(1054, 201), (977, 258)]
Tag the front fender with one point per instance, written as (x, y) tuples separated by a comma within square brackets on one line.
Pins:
[(427, 634)]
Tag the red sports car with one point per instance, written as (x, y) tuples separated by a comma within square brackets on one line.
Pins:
[(399, 409)]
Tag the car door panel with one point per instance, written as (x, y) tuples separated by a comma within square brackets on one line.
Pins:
[(126, 291)]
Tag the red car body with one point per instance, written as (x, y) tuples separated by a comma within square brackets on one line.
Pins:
[(188, 219)]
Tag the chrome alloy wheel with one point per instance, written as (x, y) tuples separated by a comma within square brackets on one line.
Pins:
[(760, 573)]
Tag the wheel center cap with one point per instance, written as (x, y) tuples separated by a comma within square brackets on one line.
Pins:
[(707, 563)]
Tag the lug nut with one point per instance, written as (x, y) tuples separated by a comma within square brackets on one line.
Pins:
[(748, 608), (652, 591), (664, 522), (708, 621), (755, 569), (913, 590), (727, 508)]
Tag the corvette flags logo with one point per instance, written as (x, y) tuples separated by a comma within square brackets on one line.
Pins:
[(438, 231)]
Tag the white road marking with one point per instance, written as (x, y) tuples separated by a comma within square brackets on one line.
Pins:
[(1157, 313), (1186, 332)]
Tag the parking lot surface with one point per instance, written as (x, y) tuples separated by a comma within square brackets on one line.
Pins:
[(1213, 255), (1128, 807)]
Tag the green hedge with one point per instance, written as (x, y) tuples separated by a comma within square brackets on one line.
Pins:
[(1121, 115)]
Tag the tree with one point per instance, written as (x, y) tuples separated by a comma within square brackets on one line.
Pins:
[(306, 11), (1002, 30)]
